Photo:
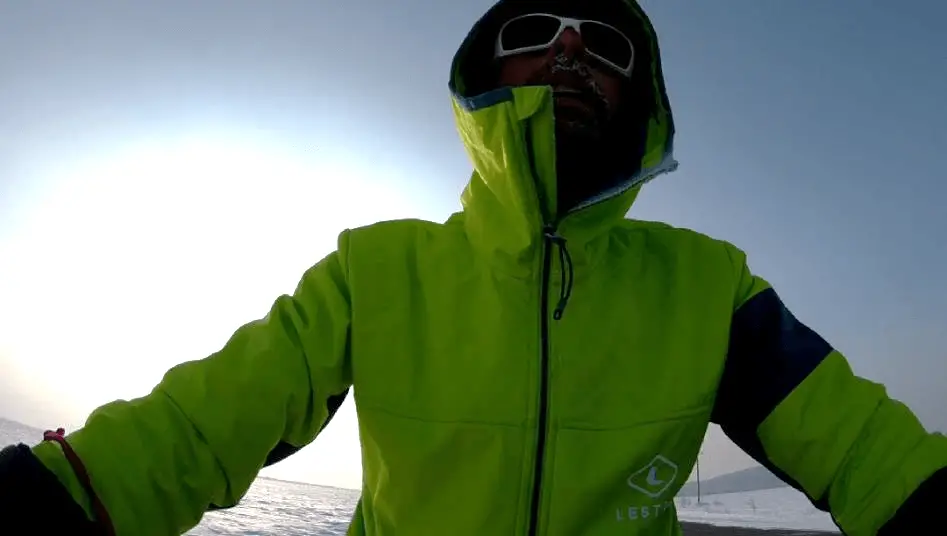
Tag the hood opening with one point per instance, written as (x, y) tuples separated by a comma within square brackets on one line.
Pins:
[(643, 138), (474, 70)]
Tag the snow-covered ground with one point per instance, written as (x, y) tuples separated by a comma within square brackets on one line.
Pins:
[(12, 432), (280, 508), (783, 508), (277, 508)]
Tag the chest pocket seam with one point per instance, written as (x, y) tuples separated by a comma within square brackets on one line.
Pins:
[(679, 415)]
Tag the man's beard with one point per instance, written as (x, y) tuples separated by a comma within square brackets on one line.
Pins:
[(582, 137), (576, 75)]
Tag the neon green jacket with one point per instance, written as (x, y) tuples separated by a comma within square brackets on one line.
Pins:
[(515, 371)]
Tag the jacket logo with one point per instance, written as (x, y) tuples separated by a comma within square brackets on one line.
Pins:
[(655, 478)]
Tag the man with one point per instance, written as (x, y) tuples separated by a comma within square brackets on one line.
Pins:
[(537, 365)]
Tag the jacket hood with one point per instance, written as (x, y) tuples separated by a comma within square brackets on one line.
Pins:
[(510, 137)]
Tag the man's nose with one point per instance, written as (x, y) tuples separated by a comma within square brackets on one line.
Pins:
[(569, 43)]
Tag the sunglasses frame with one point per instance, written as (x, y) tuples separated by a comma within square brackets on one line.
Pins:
[(564, 22)]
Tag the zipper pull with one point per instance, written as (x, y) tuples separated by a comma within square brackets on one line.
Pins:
[(565, 267)]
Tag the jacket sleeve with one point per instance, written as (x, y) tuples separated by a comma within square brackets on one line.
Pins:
[(792, 402), (198, 440)]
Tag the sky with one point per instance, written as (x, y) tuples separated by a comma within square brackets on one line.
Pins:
[(168, 169)]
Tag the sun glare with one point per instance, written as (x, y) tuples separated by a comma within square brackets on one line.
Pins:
[(154, 254)]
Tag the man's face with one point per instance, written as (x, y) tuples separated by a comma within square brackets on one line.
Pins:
[(587, 91)]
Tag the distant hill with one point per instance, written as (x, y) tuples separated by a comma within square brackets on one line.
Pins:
[(752, 479), (12, 432)]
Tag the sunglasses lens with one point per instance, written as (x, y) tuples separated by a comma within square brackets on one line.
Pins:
[(529, 31), (608, 43)]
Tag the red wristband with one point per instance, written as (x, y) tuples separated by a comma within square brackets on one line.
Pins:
[(101, 514)]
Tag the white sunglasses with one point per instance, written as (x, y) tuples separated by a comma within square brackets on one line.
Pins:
[(538, 31)]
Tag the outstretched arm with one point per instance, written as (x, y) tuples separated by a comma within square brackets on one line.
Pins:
[(792, 402), (198, 440)]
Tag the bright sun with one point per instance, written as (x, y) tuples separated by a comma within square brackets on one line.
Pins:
[(154, 254)]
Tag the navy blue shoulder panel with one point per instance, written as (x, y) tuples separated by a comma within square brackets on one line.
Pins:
[(770, 354)]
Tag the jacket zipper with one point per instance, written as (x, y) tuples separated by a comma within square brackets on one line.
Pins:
[(549, 241), (543, 390)]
